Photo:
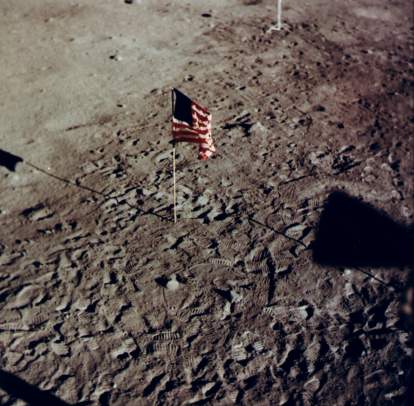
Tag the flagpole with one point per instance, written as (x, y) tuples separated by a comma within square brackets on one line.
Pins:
[(173, 153), (278, 25), (279, 15), (175, 193)]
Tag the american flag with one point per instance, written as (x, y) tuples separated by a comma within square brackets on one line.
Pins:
[(192, 123)]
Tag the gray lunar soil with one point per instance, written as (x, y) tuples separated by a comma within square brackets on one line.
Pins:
[(103, 299)]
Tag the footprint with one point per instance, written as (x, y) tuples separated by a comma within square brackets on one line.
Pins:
[(27, 296), (167, 336), (186, 315), (312, 353), (36, 319), (222, 262), (298, 313)]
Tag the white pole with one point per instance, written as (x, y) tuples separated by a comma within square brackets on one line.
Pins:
[(279, 15), (173, 152), (174, 193)]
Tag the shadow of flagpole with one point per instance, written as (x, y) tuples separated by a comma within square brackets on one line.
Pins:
[(67, 181), (94, 191), (10, 161)]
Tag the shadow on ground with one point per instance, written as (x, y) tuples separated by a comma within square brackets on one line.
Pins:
[(355, 234), (8, 160), (19, 388)]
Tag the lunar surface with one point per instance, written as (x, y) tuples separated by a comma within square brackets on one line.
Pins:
[(104, 300)]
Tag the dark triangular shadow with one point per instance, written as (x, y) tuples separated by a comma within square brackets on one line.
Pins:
[(19, 388), (355, 234), (9, 160)]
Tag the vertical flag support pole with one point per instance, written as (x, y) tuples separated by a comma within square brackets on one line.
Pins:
[(174, 193), (279, 15), (173, 157)]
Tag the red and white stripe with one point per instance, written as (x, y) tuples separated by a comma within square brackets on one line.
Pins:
[(199, 132)]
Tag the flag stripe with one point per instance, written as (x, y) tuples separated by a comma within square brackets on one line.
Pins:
[(204, 110), (189, 136), (197, 117), (190, 139), (200, 112), (185, 125), (194, 130), (191, 131), (204, 123)]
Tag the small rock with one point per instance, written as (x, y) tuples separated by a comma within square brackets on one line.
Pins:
[(173, 284), (235, 296), (116, 57), (202, 200), (226, 310), (258, 129)]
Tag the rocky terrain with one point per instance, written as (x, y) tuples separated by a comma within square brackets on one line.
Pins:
[(103, 299)]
